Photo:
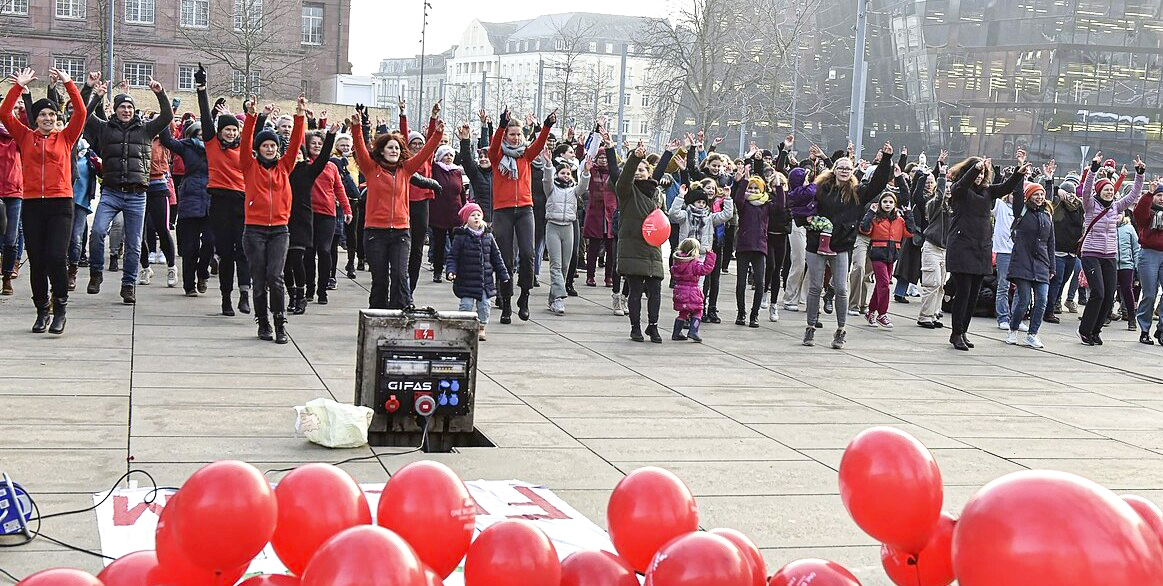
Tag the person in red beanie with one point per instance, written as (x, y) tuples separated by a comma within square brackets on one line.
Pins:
[(1032, 262), (472, 263)]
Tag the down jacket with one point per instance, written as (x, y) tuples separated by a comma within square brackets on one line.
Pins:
[(125, 148), (688, 295), (637, 199), (475, 260), (193, 199), (1102, 240), (686, 220), (561, 202)]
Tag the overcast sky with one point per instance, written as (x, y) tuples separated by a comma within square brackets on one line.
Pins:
[(381, 30)]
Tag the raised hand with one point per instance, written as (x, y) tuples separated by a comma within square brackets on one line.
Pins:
[(200, 76), (355, 120), (944, 155), (551, 119), (741, 172), (333, 129), (436, 108), (24, 77), (887, 148), (1097, 160), (276, 111), (790, 140), (268, 109), (93, 78), (905, 151), (673, 145), (1025, 169), (718, 141), (1140, 166), (588, 164), (896, 171), (464, 132), (403, 105), (530, 120), (987, 163), (689, 140), (483, 117), (569, 134), (439, 126), (154, 85), (1021, 156), (1049, 168), (301, 106), (640, 151), (101, 88), (123, 87)]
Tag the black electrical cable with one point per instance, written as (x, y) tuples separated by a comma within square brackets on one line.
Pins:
[(423, 443), (8, 575)]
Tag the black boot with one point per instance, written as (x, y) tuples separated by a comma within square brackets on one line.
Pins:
[(965, 340), (712, 316), (293, 294), (740, 319), (958, 341), (350, 268), (652, 331), (523, 305), (280, 328), (693, 335), (636, 334), (322, 298), (679, 326), (506, 309), (41, 323), (264, 328), (569, 289), (58, 315), (227, 304), (243, 301)]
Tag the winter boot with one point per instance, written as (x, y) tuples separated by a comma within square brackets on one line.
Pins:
[(6, 286), (652, 331), (297, 304), (264, 328), (280, 328), (58, 316), (227, 304), (636, 334), (243, 301), (128, 296), (825, 247), (679, 326), (506, 308), (95, 279), (72, 277), (113, 268), (41, 323), (350, 268), (523, 305), (693, 334)]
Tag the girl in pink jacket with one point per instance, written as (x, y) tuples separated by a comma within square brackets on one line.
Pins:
[(688, 296)]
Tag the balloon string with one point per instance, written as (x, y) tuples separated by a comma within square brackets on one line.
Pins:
[(914, 560)]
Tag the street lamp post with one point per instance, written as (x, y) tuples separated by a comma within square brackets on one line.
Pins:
[(423, 38), (859, 73)]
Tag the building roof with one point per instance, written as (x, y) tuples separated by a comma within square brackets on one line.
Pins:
[(499, 32), (598, 26)]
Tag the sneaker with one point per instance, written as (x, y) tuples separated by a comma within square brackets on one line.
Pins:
[(153, 258), (765, 302), (625, 304), (171, 277), (884, 321), (191, 293), (557, 307), (809, 336), (1051, 319), (838, 339), (928, 325), (1145, 338), (1022, 327), (791, 307), (871, 317), (1071, 306), (145, 276), (854, 313), (900, 299), (1033, 342), (1086, 339), (1003, 325), (201, 285), (128, 296), (773, 313), (1012, 339), (617, 301)]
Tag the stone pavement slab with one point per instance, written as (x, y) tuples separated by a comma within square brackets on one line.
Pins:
[(753, 422)]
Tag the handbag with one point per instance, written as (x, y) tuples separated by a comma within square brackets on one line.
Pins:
[(1078, 245)]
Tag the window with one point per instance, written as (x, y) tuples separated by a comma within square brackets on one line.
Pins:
[(645, 101), (11, 62), (137, 73), (239, 85), (312, 24), (609, 47), (593, 46), (74, 66), (139, 11), (195, 14), (14, 7), (186, 78), (247, 15), (625, 99), (644, 127), (70, 8), (608, 99), (626, 126)]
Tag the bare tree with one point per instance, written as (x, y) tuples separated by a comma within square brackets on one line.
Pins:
[(571, 43), (248, 37), (595, 89)]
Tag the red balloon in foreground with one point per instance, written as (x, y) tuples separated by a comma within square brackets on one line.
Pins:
[(512, 553), (229, 515), (129, 570), (173, 568), (1045, 528), (656, 228), (596, 568), (699, 559), (60, 577), (750, 552), (933, 566), (271, 580), (431, 578), (814, 573), (648, 508), (891, 486), (1149, 511), (362, 555), (428, 505), (315, 501)]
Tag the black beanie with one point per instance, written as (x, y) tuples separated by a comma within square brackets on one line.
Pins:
[(225, 120), (122, 98), (42, 104), (696, 193), (265, 135)]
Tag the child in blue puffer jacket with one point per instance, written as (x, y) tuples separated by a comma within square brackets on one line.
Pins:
[(472, 261)]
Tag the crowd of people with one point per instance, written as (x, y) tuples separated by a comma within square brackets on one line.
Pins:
[(271, 200)]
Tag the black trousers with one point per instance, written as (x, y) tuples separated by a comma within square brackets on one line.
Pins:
[(157, 221), (595, 245), (711, 282), (294, 275), (419, 230), (266, 249), (513, 228), (48, 228), (1101, 281), (354, 233), (728, 244), (437, 246), (966, 289), (387, 256), (227, 219), (195, 248), (319, 254), (652, 286), (756, 262), (776, 251)]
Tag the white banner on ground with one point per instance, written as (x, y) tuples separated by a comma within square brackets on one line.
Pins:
[(126, 523)]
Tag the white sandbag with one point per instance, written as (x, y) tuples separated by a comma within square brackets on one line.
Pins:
[(332, 424)]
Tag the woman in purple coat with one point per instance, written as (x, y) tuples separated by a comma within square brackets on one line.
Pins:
[(599, 227), (442, 215)]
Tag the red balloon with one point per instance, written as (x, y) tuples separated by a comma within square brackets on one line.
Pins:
[(173, 568), (427, 504), (512, 553), (231, 515), (656, 228), (271, 580), (891, 486), (750, 552), (1149, 511), (699, 559), (431, 578), (367, 554), (315, 501), (129, 570), (60, 577), (1045, 528), (933, 566), (813, 572), (648, 508), (596, 568)]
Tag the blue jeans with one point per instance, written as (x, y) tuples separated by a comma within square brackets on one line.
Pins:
[(1001, 303), (132, 208), (80, 218), (1022, 301), (9, 239), (482, 305), (1065, 270), (1150, 277)]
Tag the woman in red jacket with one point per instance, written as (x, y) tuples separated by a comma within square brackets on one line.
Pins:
[(47, 211), (511, 155), (387, 168), (268, 209)]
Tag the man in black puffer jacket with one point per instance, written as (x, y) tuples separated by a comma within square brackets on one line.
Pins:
[(124, 143)]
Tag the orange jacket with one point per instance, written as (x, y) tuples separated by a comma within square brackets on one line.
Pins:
[(268, 191), (46, 159), (514, 193), (329, 187), (387, 191), (159, 160), (225, 164)]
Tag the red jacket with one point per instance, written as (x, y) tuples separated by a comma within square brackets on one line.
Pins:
[(46, 161), (328, 187), (514, 193), (225, 164), (386, 204), (1148, 238), (11, 171), (268, 191), (419, 193)]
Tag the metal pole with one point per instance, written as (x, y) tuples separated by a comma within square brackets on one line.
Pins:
[(742, 129), (622, 98), (109, 39), (540, 88), (859, 69), (859, 144), (484, 81), (423, 39), (795, 84)]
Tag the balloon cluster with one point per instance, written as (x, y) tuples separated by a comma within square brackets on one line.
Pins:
[(1030, 528)]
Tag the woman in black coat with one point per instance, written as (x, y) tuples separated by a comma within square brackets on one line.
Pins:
[(301, 224), (969, 251)]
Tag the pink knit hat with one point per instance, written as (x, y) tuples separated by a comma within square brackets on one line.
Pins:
[(467, 211)]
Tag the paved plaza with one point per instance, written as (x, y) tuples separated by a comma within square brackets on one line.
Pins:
[(752, 421)]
